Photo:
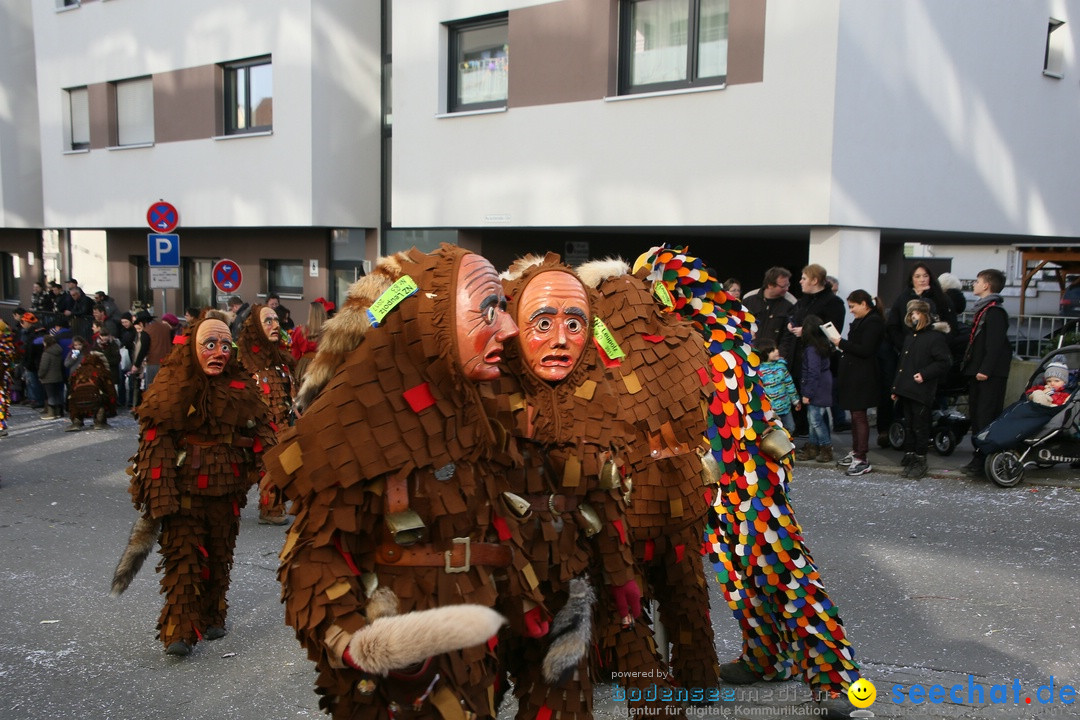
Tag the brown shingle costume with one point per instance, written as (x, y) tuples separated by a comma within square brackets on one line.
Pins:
[(271, 366), (200, 438), (665, 387), (397, 430), (91, 391)]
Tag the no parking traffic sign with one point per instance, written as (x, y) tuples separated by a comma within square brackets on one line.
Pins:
[(227, 276), (162, 217)]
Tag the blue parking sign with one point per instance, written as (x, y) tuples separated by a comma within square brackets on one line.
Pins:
[(163, 249)]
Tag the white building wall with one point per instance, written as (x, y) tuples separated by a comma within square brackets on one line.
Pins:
[(945, 121), (242, 181), (751, 154), (20, 155)]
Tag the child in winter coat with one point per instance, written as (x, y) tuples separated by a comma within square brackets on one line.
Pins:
[(924, 360), (777, 382), (816, 390), (1052, 392)]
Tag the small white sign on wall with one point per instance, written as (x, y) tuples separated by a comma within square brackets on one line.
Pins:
[(313, 268)]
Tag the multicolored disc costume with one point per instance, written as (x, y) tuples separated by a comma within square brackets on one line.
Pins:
[(790, 626)]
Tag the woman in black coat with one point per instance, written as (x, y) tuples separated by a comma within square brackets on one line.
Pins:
[(860, 384), (924, 360)]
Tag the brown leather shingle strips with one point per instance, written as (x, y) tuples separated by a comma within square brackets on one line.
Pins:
[(200, 439), (398, 407)]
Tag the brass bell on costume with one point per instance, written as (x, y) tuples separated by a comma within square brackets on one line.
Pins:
[(590, 520), (776, 444), (518, 506), (710, 469), (370, 583), (406, 528), (609, 476)]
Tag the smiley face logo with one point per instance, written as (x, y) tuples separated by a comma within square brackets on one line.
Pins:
[(862, 693)]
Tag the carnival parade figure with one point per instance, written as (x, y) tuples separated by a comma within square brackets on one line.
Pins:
[(202, 430), (264, 354), (790, 626), (91, 393), (665, 386), (7, 369), (388, 571)]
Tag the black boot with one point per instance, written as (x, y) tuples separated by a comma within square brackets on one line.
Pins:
[(918, 468), (976, 467), (909, 457)]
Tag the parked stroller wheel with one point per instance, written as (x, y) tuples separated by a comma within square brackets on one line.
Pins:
[(1005, 469), (896, 435), (944, 442)]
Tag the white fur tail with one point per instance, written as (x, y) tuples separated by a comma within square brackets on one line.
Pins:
[(571, 633), (144, 533), (398, 641)]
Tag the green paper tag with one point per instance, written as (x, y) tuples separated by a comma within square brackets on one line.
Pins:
[(402, 288), (606, 340), (661, 292)]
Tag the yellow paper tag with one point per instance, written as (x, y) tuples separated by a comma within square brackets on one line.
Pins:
[(606, 340), (661, 292), (402, 288)]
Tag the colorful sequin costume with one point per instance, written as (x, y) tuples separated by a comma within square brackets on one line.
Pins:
[(7, 364), (91, 391), (664, 386), (790, 626), (567, 431), (396, 441), (271, 366), (199, 442)]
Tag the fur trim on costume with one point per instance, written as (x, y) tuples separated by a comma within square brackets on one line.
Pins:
[(571, 633), (144, 534), (382, 603), (595, 272), (343, 332), (519, 266), (396, 642)]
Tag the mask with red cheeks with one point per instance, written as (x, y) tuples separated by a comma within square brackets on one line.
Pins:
[(271, 326), (553, 313), (213, 346), (482, 325)]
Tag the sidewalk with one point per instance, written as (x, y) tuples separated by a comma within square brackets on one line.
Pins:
[(887, 460)]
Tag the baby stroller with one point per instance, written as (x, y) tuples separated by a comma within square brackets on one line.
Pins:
[(1028, 435), (947, 424)]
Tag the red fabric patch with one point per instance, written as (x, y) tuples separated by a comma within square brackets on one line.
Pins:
[(197, 633), (205, 575), (155, 472), (236, 508), (202, 551), (544, 713), (238, 384), (708, 495), (492, 643), (620, 529), (501, 527), (703, 375), (255, 348), (650, 549), (151, 433), (203, 481), (257, 446), (235, 470), (347, 556), (273, 426), (179, 340), (680, 550), (653, 338), (608, 362), (419, 397), (266, 388)]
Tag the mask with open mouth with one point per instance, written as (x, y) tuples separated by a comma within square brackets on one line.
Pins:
[(482, 324), (213, 346), (553, 314)]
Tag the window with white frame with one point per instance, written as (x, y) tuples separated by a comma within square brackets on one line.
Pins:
[(1054, 57), (285, 277), (134, 111), (77, 119), (672, 44), (479, 63), (249, 96)]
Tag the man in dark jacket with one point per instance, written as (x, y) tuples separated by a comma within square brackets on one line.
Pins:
[(240, 310), (81, 313), (987, 358), (772, 309)]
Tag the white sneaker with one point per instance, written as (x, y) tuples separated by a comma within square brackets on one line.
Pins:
[(847, 459), (859, 467)]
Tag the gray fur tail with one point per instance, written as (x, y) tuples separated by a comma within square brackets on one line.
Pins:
[(571, 633), (144, 533)]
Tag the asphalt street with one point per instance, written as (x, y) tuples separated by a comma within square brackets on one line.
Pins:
[(945, 581)]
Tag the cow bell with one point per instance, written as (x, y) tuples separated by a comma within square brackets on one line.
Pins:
[(710, 469)]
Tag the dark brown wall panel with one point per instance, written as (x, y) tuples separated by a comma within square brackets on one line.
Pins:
[(559, 52), (102, 104), (746, 42), (184, 104)]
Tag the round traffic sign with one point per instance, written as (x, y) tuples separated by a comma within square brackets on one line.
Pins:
[(162, 217), (227, 276)]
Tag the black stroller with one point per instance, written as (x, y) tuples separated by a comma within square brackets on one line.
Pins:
[(1027, 435)]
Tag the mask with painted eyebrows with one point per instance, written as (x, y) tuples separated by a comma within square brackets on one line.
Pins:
[(213, 346), (482, 324), (553, 314)]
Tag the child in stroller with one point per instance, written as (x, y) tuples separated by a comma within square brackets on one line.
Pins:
[(1040, 429)]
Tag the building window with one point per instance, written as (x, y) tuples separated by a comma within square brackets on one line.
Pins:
[(199, 282), (249, 96), (1054, 57), (134, 111), (672, 44), (77, 118), (285, 277), (9, 277), (61, 4), (479, 63)]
